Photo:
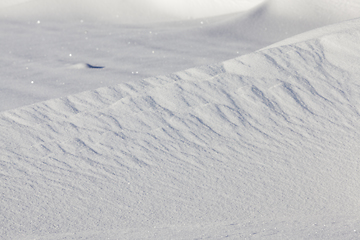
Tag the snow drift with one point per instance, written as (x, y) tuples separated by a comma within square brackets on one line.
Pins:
[(243, 148), (264, 145), (31, 72)]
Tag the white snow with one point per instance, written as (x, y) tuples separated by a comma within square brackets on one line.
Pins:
[(35, 46), (99, 140), (139, 11)]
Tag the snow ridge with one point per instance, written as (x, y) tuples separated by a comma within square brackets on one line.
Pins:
[(266, 136)]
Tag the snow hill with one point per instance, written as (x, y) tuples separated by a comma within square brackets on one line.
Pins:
[(261, 146), (275, 20), (45, 44)]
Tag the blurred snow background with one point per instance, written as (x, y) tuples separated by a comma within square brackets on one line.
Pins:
[(125, 11)]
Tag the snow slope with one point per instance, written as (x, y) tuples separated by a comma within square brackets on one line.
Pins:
[(46, 41), (275, 20), (263, 146)]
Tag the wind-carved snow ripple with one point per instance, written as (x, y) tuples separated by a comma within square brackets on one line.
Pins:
[(194, 111), (197, 135)]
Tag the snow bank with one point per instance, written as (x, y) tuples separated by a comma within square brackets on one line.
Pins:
[(262, 145)]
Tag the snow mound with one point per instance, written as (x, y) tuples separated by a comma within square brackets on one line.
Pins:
[(245, 147), (84, 66), (275, 20)]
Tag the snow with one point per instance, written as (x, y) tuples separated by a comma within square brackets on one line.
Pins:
[(138, 11), (32, 73), (96, 144)]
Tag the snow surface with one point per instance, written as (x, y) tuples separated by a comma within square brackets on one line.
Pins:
[(261, 146), (138, 11)]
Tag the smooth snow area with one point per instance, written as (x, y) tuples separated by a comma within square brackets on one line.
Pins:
[(261, 146), (125, 11)]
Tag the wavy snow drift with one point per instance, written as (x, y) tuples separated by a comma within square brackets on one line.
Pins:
[(261, 146)]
